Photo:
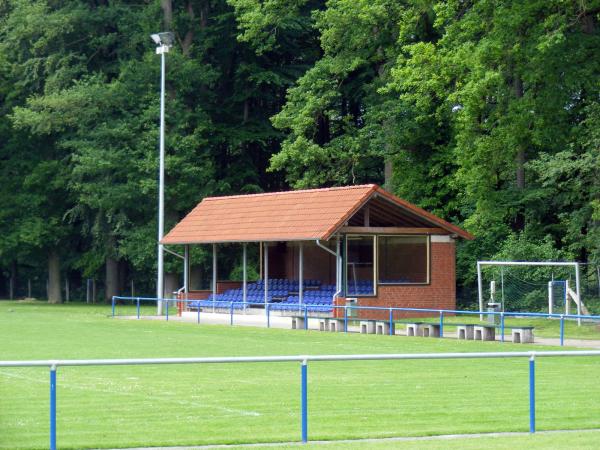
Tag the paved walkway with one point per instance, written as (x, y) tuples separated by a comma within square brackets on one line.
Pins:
[(444, 437), (258, 318)]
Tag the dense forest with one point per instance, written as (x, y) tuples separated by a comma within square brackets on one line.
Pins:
[(485, 112)]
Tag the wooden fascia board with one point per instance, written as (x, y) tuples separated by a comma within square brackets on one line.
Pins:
[(394, 230)]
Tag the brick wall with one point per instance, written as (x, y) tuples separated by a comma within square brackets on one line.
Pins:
[(439, 294), (318, 264)]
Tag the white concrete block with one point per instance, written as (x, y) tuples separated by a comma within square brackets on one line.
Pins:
[(522, 335), (431, 330), (465, 331), (383, 327), (367, 327), (414, 329), (484, 333), (297, 323), (336, 325)]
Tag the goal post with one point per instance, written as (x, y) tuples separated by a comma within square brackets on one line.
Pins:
[(575, 265)]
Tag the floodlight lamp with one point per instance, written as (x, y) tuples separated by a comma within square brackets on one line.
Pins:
[(166, 38)]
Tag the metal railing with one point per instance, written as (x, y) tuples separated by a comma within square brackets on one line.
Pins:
[(347, 310), (303, 360)]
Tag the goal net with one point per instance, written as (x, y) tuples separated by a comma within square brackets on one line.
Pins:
[(537, 286)]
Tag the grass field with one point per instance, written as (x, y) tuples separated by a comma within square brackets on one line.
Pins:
[(188, 405)]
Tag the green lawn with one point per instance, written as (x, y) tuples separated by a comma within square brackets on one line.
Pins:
[(187, 405)]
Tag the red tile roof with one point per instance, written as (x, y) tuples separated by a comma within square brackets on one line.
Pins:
[(283, 216)]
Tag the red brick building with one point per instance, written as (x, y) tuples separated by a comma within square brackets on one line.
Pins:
[(368, 245)]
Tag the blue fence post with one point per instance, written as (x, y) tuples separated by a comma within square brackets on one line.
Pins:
[(113, 306), (502, 326), (304, 401), (138, 307), (167, 310), (53, 407), (345, 319), (391, 322), (441, 324), (562, 330), (198, 320), (306, 317), (532, 394), (231, 314)]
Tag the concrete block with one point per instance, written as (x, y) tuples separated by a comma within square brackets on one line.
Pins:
[(414, 329), (383, 327), (465, 331), (367, 327), (431, 330), (522, 335), (484, 333), (336, 325), (323, 324), (297, 323)]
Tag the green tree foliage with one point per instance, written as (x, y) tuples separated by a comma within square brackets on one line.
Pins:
[(486, 112)]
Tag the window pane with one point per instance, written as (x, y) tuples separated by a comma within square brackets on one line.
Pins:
[(403, 259), (360, 266)]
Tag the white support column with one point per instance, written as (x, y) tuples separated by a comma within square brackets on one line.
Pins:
[(186, 271), (338, 265), (214, 271), (266, 277), (502, 285), (480, 289), (567, 298), (550, 298), (301, 273), (245, 274), (578, 291)]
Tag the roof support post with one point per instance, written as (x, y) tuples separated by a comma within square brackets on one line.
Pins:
[(338, 265), (338, 269), (186, 270), (214, 272), (577, 288), (266, 277), (245, 274), (301, 274)]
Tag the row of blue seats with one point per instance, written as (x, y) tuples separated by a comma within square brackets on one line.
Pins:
[(309, 301), (296, 307), (315, 307)]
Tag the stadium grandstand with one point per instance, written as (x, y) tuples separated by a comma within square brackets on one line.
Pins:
[(320, 247)]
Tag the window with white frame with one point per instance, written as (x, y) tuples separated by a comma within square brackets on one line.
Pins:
[(360, 265)]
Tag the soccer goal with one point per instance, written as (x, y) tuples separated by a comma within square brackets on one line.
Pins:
[(530, 286)]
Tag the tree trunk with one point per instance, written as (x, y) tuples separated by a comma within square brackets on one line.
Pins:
[(123, 275), (13, 280), (186, 45), (388, 171), (112, 279), (54, 288), (167, 7), (520, 159)]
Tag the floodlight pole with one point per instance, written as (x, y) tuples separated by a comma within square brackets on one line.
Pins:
[(161, 50)]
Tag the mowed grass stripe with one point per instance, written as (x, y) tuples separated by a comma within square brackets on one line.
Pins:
[(235, 403)]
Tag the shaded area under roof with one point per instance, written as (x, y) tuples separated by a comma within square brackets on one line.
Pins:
[(296, 216)]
